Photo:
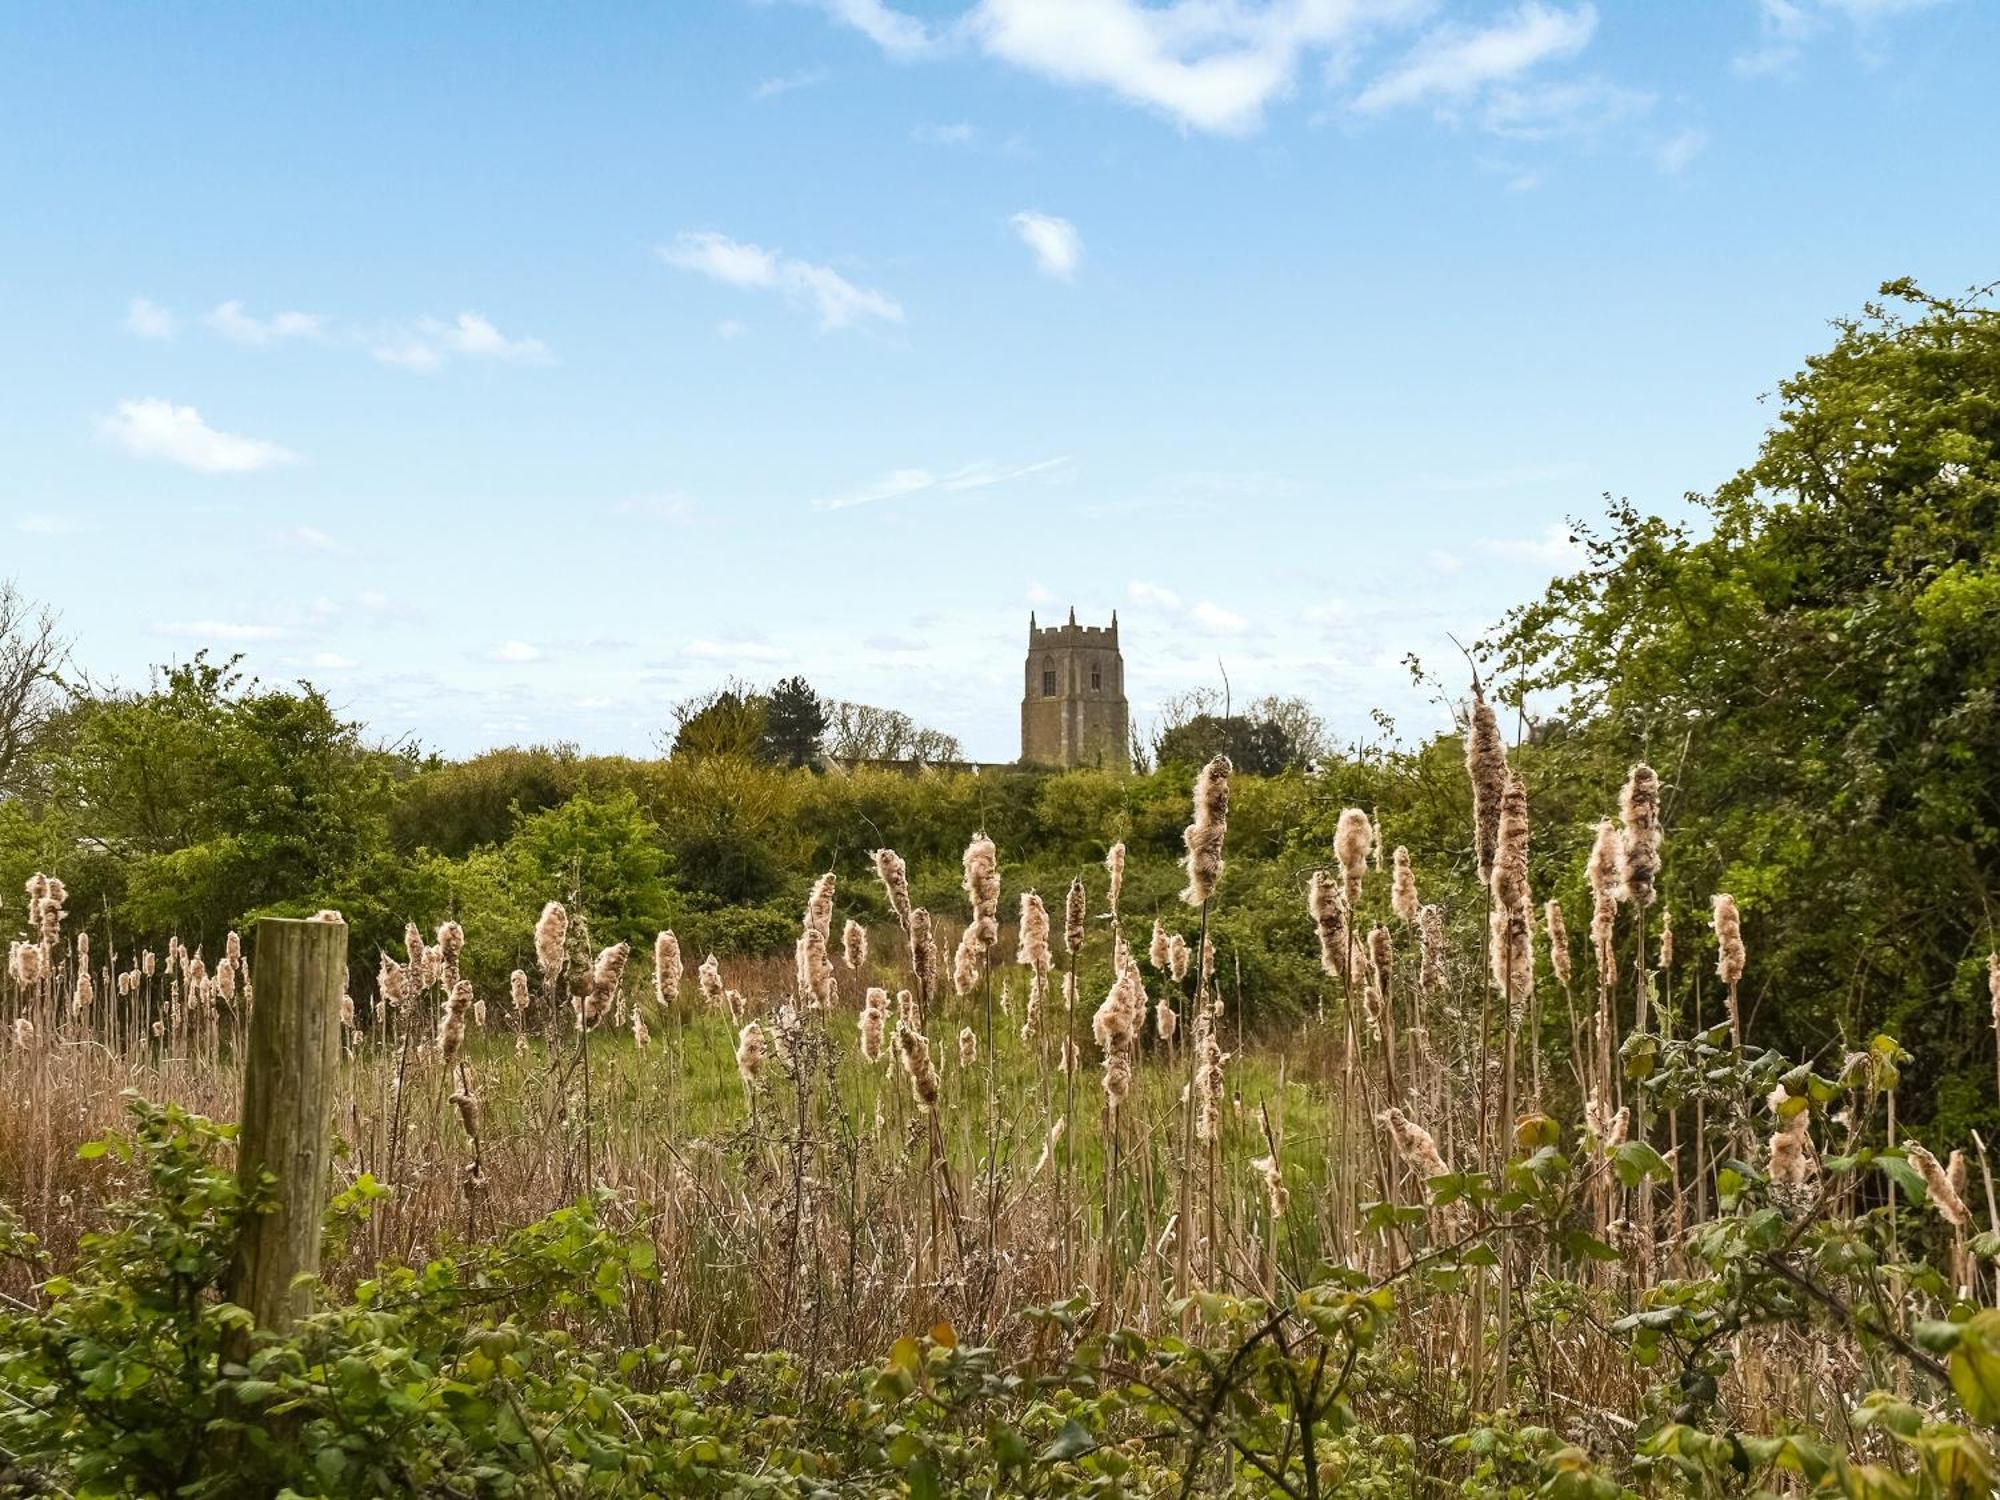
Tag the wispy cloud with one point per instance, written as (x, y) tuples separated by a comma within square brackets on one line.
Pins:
[(515, 652), (1057, 247), (747, 651), (239, 327), (470, 335), (901, 482), (236, 632), (959, 133), (1454, 63), (787, 83), (902, 36), (148, 320), (838, 301), (151, 427), (1786, 27), (1680, 149), (1557, 547)]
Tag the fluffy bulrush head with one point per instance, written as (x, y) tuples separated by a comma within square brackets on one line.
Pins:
[(1209, 1058), (1117, 1075), (819, 909), (666, 969), (1512, 936), (1558, 932), (968, 1046), (1639, 848), (1166, 1021), (640, 1035), (895, 878), (517, 990), (1159, 950), (1120, 1018), (982, 889), (750, 1053), (1031, 1013), (1729, 953), (452, 1017), (1403, 887), (814, 969), (1114, 867), (551, 935), (913, 1049), (1352, 838), (709, 978), (1273, 1178), (1666, 938), (854, 946), (1075, 909), (1033, 949), (1486, 768), (1381, 975), (1328, 911), (1178, 956), (923, 954), (1416, 1145), (874, 1019), (607, 974), (1603, 872), (1204, 837), (965, 962), (1794, 1164), (86, 994), (1945, 1196)]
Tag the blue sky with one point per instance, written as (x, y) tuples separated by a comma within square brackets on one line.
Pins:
[(514, 371)]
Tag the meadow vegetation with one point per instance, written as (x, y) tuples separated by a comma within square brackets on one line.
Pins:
[(1591, 1104)]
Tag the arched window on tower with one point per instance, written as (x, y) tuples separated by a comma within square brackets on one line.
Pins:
[(1048, 677)]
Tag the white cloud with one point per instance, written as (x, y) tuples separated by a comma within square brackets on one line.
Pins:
[(1784, 27), (470, 334), (1542, 111), (148, 320), (49, 524), (1680, 149), (329, 661), (1057, 247), (1454, 62), (233, 323), (973, 476), (1557, 546), (313, 537), (1208, 66), (759, 651), (154, 428), (902, 37), (839, 303), (1215, 617), (235, 631), (786, 83), (1141, 592), (957, 134), (515, 651)]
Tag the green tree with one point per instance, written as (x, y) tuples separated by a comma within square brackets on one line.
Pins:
[(1815, 671), (794, 724)]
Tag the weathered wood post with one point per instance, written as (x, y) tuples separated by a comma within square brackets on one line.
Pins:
[(291, 1060)]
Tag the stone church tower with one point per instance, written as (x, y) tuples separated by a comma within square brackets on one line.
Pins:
[(1073, 709)]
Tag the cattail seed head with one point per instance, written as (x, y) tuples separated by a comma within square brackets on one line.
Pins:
[(1486, 768), (1416, 1145), (1114, 865), (1351, 841), (551, 934), (1031, 1013), (815, 986), (1729, 953), (1604, 874), (709, 978), (923, 955), (1074, 911), (895, 877), (1273, 1178), (666, 969), (1034, 940), (1157, 951), (854, 946), (1165, 1020), (965, 962), (1639, 810), (968, 1046), (1178, 956), (517, 990), (1204, 837), (1945, 1198), (1666, 938), (913, 1049), (1430, 938), (1329, 914), (819, 909), (874, 1017), (750, 1053), (982, 889), (1117, 1076), (1403, 887)]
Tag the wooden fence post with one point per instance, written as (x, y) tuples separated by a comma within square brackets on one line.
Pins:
[(290, 1063)]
